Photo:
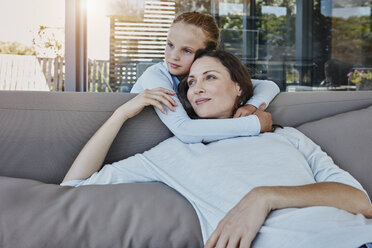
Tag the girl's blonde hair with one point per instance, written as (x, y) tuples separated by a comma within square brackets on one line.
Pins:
[(206, 23)]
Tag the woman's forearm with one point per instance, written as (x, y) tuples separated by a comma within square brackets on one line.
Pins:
[(92, 156), (330, 194)]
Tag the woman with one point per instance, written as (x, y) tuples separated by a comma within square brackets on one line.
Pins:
[(246, 191)]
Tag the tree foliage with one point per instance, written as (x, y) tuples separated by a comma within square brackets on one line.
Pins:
[(195, 5), (16, 48), (49, 42)]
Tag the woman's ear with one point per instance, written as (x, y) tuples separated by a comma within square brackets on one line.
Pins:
[(238, 89)]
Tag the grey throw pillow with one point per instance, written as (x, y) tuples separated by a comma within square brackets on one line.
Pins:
[(347, 138), (34, 214)]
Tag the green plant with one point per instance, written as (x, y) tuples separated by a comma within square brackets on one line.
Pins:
[(359, 76)]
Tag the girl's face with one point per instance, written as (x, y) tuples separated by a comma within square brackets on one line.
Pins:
[(212, 93), (182, 43)]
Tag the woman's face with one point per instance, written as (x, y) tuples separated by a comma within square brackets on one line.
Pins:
[(212, 93), (182, 42)]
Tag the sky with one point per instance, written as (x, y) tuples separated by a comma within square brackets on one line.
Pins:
[(20, 19)]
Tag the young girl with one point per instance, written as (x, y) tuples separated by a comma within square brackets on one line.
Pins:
[(190, 32)]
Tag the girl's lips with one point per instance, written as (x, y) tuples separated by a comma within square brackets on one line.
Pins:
[(201, 101), (173, 65)]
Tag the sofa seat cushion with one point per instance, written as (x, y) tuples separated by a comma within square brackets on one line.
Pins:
[(35, 214), (347, 139)]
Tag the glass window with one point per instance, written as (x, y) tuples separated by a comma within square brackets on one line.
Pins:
[(300, 45), (124, 38), (32, 45)]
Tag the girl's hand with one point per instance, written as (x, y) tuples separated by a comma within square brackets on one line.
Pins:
[(245, 111), (248, 109), (241, 224), (155, 97)]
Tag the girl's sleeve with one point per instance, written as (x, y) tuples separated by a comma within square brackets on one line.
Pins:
[(264, 92), (321, 165), (195, 131)]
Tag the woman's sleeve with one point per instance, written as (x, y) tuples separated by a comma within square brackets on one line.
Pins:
[(128, 170), (264, 92), (321, 165), (195, 131)]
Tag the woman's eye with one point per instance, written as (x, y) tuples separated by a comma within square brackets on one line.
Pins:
[(190, 83), (211, 77)]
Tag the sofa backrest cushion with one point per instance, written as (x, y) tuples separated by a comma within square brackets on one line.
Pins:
[(347, 138), (41, 133)]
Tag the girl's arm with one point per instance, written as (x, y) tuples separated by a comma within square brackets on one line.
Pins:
[(264, 93), (194, 131), (91, 157)]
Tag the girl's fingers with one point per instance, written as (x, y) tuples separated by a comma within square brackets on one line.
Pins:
[(238, 114), (262, 107)]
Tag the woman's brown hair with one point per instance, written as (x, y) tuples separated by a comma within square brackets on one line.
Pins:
[(206, 23), (238, 73)]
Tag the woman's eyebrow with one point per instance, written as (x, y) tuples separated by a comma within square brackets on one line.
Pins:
[(206, 72)]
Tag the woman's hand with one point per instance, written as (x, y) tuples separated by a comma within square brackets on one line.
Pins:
[(240, 225), (155, 97)]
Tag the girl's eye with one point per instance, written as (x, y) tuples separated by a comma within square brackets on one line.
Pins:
[(209, 77), (187, 51), (170, 44)]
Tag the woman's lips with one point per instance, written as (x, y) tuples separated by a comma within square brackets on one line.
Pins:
[(201, 101)]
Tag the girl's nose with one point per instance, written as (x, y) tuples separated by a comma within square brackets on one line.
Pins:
[(175, 55)]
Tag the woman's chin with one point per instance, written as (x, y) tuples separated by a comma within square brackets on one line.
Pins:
[(210, 116), (203, 115)]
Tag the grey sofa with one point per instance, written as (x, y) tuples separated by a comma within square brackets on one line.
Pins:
[(41, 133)]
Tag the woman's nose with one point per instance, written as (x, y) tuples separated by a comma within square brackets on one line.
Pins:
[(199, 88)]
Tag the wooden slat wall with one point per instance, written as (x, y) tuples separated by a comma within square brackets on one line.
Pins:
[(98, 80), (23, 72), (133, 40)]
